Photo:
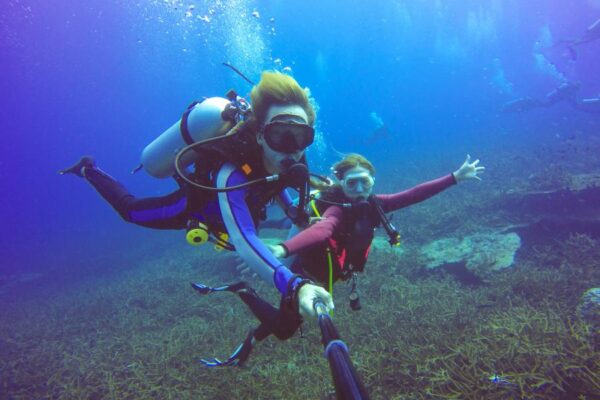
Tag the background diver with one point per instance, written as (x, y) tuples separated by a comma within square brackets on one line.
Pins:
[(591, 34), (337, 245), (270, 141), (566, 92)]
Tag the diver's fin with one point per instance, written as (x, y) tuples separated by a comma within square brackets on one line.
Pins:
[(237, 358), (77, 168), (234, 288)]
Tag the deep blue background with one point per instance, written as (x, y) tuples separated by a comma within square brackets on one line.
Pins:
[(106, 77)]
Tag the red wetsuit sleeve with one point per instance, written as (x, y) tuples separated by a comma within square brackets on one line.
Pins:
[(317, 233), (391, 202)]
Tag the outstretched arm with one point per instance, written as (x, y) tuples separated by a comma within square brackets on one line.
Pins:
[(391, 202), (467, 171)]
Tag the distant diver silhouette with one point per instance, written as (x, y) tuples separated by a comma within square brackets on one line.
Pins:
[(591, 34), (566, 92)]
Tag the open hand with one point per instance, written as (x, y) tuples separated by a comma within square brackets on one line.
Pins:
[(469, 170)]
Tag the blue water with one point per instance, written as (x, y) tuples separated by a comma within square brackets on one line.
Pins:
[(106, 77)]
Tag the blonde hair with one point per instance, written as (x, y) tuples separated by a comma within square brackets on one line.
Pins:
[(351, 161), (276, 88)]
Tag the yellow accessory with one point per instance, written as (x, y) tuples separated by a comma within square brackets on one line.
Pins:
[(197, 236), (221, 241)]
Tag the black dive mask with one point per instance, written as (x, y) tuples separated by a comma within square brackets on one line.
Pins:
[(288, 137)]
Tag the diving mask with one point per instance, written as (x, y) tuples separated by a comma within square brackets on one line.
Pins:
[(352, 181), (288, 136), (357, 184)]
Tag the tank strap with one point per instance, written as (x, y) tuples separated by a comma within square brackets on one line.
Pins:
[(183, 125)]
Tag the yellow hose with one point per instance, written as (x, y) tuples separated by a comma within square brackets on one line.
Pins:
[(329, 261)]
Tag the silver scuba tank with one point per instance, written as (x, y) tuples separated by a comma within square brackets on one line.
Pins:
[(201, 121)]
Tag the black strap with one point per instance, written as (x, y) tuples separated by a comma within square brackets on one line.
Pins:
[(292, 296), (183, 125)]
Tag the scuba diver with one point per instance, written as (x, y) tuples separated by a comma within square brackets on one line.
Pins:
[(244, 157), (336, 246), (592, 33), (566, 92)]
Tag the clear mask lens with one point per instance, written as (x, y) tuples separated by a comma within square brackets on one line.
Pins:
[(353, 182)]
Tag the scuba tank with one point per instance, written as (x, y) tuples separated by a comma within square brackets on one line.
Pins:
[(210, 118)]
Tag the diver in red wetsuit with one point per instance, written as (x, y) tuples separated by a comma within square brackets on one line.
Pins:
[(337, 245), (349, 213)]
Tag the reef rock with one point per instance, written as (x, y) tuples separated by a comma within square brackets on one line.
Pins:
[(589, 307), (485, 251), (544, 216)]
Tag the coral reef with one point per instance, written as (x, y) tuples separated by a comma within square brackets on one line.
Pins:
[(492, 251), (141, 336), (381, 244), (138, 331)]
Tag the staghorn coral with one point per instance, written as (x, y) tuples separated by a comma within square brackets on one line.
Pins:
[(418, 337), (538, 354)]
